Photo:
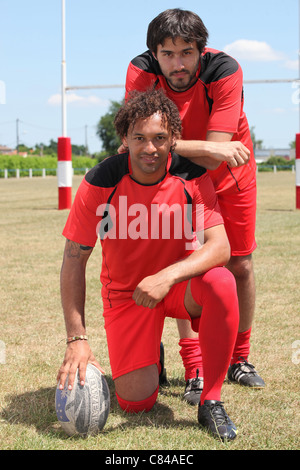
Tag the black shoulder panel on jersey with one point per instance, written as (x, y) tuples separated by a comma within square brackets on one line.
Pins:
[(184, 168), (215, 66), (147, 63), (109, 172)]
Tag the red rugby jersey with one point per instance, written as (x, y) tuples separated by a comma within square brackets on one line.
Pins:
[(214, 103), (142, 228)]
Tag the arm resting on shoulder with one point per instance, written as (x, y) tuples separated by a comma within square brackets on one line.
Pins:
[(217, 148)]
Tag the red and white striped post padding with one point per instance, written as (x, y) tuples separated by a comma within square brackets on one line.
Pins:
[(64, 172), (297, 162)]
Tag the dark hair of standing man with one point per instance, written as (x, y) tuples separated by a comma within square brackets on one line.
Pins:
[(176, 23)]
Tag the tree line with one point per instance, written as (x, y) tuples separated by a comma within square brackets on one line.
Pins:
[(106, 132), (50, 149)]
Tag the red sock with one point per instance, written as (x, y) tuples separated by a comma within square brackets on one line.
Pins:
[(242, 347), (215, 291), (138, 406), (191, 357)]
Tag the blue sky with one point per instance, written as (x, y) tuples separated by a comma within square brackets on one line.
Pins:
[(102, 37)]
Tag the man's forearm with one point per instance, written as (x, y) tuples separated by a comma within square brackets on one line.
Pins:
[(214, 252), (199, 151), (73, 301), (211, 152), (194, 148), (73, 286)]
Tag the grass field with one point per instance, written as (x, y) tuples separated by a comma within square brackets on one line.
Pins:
[(32, 330)]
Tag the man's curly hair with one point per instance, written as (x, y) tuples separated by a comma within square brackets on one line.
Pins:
[(141, 105)]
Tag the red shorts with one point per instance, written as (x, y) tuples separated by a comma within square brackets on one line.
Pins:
[(239, 214), (134, 332)]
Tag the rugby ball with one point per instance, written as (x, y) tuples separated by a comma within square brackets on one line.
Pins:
[(84, 409)]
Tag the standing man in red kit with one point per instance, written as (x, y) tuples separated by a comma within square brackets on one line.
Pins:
[(207, 87)]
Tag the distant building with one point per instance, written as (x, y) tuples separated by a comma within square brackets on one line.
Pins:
[(262, 155), (8, 151)]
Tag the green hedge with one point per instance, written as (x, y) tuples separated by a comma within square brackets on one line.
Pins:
[(281, 164), (49, 162)]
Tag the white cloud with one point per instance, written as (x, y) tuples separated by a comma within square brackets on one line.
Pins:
[(54, 100), (292, 64), (252, 50), (278, 111), (92, 100)]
